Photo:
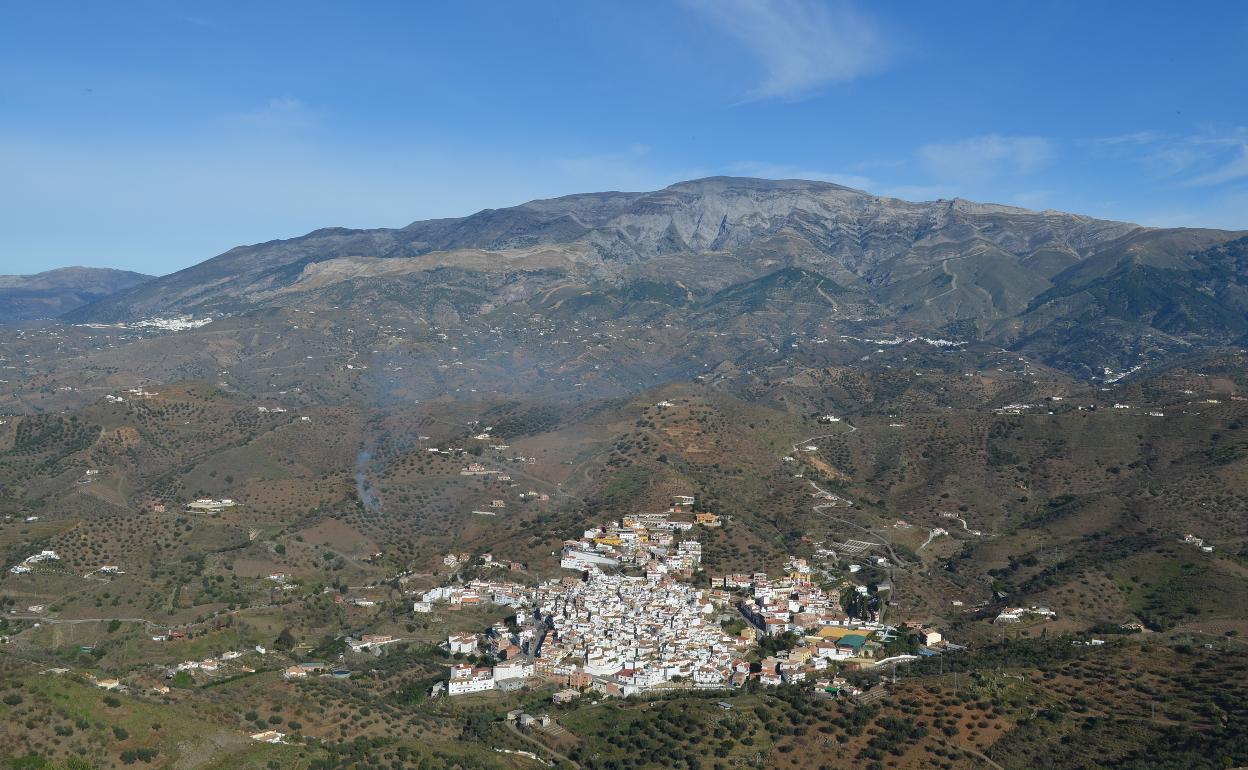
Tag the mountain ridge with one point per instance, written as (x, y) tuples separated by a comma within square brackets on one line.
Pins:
[(55, 292), (942, 269), (695, 217)]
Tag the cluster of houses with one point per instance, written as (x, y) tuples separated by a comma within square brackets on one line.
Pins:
[(638, 631), (614, 633), (178, 324), (1019, 614), (621, 635), (139, 393), (24, 567), (812, 660), (466, 678), (488, 560), (793, 604), (208, 665), (455, 597), (455, 560), (1199, 542), (37, 558), (652, 541), (510, 649), (479, 468), (788, 603), (282, 581), (371, 643), (471, 594), (209, 505), (1021, 408)]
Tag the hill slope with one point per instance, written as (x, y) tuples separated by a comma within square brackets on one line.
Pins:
[(55, 292)]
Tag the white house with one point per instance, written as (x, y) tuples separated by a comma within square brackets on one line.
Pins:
[(466, 679), (465, 643), (513, 669), (268, 736)]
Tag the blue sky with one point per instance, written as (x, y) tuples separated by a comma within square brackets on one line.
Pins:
[(153, 135)]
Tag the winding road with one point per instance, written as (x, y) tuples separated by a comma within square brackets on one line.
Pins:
[(878, 538)]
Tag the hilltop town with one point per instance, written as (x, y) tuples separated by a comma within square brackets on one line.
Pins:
[(634, 620)]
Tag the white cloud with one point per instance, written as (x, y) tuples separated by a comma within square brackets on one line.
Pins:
[(983, 157), (802, 45), (784, 171)]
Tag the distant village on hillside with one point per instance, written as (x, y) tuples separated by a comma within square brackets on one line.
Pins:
[(633, 620)]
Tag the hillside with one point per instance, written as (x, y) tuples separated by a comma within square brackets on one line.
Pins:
[(56, 292), (919, 416), (1059, 486), (985, 481)]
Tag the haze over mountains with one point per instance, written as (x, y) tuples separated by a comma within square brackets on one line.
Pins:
[(1084, 294), (55, 292)]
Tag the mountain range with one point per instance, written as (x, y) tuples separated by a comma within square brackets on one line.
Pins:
[(1084, 294), (56, 292), (958, 409)]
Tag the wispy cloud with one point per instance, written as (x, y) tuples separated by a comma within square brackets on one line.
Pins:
[(280, 112), (1131, 139), (1209, 158), (802, 45), (984, 157), (1232, 161), (785, 171)]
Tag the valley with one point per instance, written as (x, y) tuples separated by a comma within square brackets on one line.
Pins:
[(839, 479)]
